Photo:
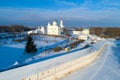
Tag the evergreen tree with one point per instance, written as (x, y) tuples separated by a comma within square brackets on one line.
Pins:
[(30, 46)]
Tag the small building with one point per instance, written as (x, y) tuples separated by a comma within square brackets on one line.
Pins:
[(86, 31), (82, 37), (67, 49), (39, 30), (31, 32), (83, 31), (76, 32)]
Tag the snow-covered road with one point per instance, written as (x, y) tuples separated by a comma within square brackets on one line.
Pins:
[(105, 67)]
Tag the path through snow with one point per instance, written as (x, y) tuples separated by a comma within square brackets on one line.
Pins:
[(105, 67), (101, 65)]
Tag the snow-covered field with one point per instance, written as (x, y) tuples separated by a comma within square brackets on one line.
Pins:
[(105, 67), (39, 40), (12, 53), (55, 60)]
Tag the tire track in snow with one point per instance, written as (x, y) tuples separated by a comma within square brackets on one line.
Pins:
[(102, 64)]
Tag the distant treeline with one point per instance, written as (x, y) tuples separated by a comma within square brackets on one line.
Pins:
[(106, 32), (14, 28)]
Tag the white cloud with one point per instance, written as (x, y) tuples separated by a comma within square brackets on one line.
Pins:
[(101, 4), (80, 15)]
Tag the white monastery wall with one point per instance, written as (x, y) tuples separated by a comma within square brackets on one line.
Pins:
[(66, 68), (54, 68)]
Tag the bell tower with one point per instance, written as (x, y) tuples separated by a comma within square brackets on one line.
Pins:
[(61, 23), (49, 24)]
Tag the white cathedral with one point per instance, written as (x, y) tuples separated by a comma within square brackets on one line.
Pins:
[(52, 29)]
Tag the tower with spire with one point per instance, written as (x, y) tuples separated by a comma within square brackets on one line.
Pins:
[(61, 23)]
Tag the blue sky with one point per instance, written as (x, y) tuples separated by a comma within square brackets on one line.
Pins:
[(73, 12)]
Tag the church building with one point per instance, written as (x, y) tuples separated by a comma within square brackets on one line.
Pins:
[(51, 29), (54, 28)]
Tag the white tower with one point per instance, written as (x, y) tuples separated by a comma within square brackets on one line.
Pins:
[(43, 30), (48, 24), (61, 23)]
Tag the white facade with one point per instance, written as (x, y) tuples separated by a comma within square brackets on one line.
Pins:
[(76, 32), (82, 37), (86, 31), (54, 29), (31, 32), (83, 34), (39, 30)]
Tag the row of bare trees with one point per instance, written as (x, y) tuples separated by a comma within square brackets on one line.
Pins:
[(14, 28), (106, 32)]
